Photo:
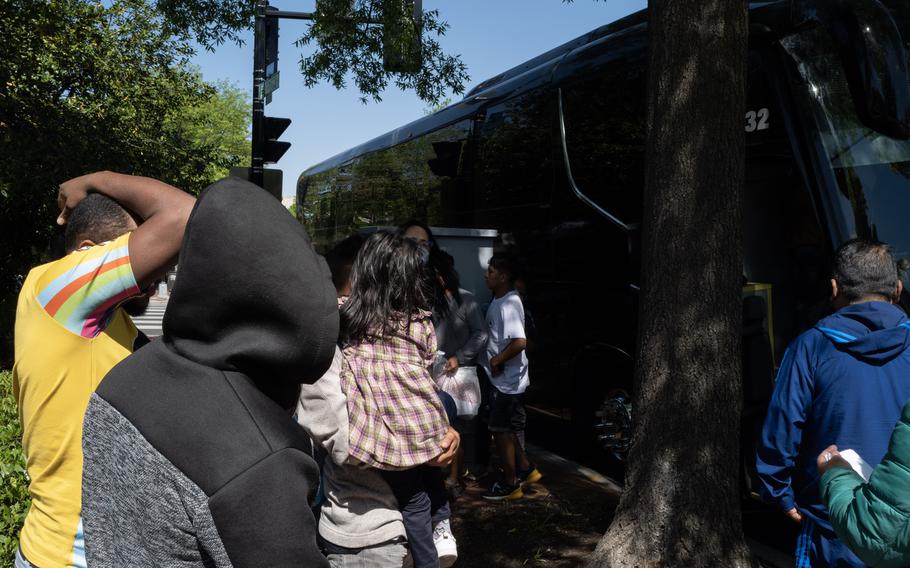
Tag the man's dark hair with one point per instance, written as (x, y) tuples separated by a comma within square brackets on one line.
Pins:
[(96, 218), (864, 268), (341, 258), (506, 264)]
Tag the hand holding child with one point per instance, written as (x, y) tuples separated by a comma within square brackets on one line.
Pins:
[(449, 444)]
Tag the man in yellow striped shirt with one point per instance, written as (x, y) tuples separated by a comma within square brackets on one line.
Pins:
[(71, 329)]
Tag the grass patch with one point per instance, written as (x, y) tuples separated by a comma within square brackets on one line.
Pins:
[(14, 499)]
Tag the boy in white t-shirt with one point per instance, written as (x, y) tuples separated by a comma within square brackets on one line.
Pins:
[(506, 363)]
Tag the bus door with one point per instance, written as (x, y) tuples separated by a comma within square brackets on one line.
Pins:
[(597, 209)]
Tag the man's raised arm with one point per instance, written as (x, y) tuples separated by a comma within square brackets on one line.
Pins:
[(162, 208)]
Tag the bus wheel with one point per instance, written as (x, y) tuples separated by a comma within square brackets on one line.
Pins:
[(601, 409), (614, 424)]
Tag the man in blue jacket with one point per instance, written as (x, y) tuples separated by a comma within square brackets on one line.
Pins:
[(842, 382)]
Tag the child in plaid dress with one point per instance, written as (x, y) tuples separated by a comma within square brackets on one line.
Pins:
[(396, 420)]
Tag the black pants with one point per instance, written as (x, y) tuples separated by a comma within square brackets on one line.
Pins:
[(482, 434), (422, 500)]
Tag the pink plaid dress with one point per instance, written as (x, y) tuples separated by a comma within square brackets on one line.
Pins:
[(396, 418)]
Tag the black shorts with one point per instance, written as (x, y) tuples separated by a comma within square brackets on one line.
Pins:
[(507, 412)]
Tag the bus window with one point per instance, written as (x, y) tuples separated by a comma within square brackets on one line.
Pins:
[(515, 167), (411, 179), (441, 171), (316, 209), (344, 203), (870, 169), (605, 136)]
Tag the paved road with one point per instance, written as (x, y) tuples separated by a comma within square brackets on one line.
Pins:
[(150, 321)]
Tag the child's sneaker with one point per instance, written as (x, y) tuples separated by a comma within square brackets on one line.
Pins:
[(446, 547), (530, 475), (454, 489), (500, 491)]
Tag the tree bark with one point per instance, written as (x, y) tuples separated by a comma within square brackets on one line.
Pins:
[(680, 506)]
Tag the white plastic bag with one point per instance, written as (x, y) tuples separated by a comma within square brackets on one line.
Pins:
[(464, 388)]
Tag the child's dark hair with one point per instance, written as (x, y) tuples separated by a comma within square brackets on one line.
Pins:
[(505, 264), (389, 282), (438, 259)]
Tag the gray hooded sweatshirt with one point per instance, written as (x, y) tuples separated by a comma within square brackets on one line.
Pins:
[(359, 508)]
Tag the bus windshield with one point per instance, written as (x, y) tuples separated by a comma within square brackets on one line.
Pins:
[(871, 170)]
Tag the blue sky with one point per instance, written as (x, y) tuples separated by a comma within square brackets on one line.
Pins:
[(491, 36)]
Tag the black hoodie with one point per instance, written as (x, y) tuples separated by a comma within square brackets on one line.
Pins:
[(191, 458)]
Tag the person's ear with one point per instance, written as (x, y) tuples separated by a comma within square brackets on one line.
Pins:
[(896, 298), (834, 290), (86, 243)]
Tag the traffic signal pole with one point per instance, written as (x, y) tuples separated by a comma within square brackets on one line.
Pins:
[(257, 161), (262, 150), (266, 148)]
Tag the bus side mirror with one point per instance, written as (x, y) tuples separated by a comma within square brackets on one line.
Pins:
[(873, 57)]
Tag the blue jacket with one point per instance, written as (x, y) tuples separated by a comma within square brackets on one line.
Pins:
[(842, 382)]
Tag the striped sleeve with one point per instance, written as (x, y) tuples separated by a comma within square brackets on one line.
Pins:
[(82, 290)]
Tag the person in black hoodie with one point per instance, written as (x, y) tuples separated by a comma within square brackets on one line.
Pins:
[(191, 456)]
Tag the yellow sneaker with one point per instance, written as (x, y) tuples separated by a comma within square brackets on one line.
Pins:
[(530, 475)]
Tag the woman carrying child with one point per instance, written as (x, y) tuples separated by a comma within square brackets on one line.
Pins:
[(397, 422)]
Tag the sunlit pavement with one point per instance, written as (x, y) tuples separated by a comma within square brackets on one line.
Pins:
[(560, 520)]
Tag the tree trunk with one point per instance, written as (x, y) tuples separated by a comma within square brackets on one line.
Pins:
[(680, 506)]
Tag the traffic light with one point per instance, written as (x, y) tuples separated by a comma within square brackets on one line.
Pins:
[(274, 148), (402, 34)]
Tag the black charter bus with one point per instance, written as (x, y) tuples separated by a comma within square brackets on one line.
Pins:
[(546, 161)]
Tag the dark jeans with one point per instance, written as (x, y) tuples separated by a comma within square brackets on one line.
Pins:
[(422, 500)]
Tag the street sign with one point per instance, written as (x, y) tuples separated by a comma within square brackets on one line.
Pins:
[(271, 84)]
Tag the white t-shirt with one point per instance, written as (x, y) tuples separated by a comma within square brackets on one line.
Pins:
[(506, 321)]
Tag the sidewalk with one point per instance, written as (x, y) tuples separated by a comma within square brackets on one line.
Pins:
[(557, 524)]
